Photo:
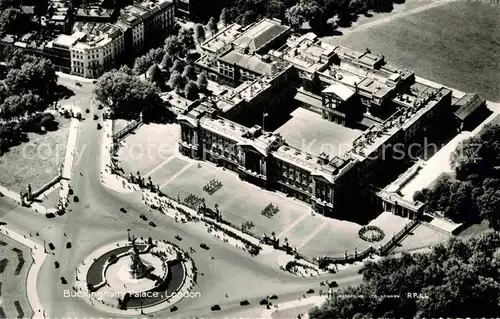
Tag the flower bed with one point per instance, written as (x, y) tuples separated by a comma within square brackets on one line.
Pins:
[(371, 233), (270, 211), (212, 186)]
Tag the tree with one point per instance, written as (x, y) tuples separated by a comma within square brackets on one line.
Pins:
[(173, 46), (178, 67), (295, 16), (154, 74), (212, 26), (202, 81), (125, 94), (333, 23), (12, 21), (166, 61), (175, 81), (142, 64), (191, 91), (189, 73), (224, 17), (489, 207), (186, 40), (199, 33), (458, 278)]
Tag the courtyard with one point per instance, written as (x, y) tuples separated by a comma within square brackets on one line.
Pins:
[(306, 130), (147, 147), (15, 261)]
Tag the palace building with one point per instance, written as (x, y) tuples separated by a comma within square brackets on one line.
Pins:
[(263, 68)]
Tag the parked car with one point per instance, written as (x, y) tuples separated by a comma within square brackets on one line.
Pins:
[(51, 246), (3, 223), (94, 82), (204, 246), (78, 84), (178, 237), (76, 199), (95, 117)]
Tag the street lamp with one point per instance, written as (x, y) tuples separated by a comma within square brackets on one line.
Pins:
[(142, 310)]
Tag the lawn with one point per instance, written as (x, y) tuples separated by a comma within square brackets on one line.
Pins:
[(36, 161), (148, 147), (309, 132), (13, 287), (238, 201), (340, 235), (456, 44), (421, 237), (334, 240)]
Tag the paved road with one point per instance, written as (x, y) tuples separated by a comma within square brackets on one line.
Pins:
[(96, 220)]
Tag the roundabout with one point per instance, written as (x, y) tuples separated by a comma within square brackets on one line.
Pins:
[(134, 276)]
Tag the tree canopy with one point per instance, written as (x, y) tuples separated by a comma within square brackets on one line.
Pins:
[(212, 25), (126, 95), (191, 91), (29, 86), (457, 279), (202, 81), (199, 32), (473, 193), (189, 73), (12, 21)]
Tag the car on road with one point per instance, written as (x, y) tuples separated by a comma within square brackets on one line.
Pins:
[(76, 199), (273, 297), (244, 303), (94, 82), (51, 246), (123, 210), (3, 223), (143, 217), (204, 246), (333, 284), (78, 84), (152, 224), (215, 308), (95, 117), (263, 302), (178, 237), (68, 245), (63, 281), (56, 264)]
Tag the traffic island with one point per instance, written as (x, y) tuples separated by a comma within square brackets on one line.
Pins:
[(134, 277)]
